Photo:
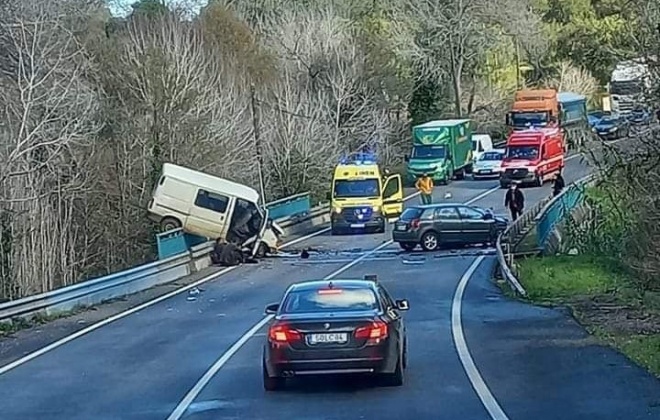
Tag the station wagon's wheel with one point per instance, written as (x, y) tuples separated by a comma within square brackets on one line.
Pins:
[(169, 223), (395, 378), (430, 241)]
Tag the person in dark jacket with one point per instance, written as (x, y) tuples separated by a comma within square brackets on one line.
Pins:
[(515, 201), (558, 185)]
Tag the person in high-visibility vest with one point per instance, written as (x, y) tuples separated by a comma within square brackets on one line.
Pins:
[(425, 187)]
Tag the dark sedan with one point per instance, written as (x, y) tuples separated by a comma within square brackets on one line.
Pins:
[(335, 327), (433, 225), (612, 127)]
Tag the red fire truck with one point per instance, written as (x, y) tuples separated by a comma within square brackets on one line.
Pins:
[(532, 156)]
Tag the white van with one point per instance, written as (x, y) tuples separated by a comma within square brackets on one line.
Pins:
[(481, 143), (212, 207)]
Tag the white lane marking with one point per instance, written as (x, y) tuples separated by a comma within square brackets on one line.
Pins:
[(189, 398), (480, 387)]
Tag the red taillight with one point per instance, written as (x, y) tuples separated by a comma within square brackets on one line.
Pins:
[(281, 333), (414, 224), (377, 330)]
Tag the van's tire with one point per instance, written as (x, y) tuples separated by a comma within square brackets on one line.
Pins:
[(169, 223), (262, 250), (430, 241)]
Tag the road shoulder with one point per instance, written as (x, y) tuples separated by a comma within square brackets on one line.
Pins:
[(602, 298)]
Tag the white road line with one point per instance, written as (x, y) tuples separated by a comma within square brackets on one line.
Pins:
[(181, 408), (480, 387)]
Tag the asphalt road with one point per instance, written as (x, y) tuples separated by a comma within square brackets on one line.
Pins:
[(534, 363)]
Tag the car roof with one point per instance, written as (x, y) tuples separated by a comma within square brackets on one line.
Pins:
[(338, 283), (440, 205)]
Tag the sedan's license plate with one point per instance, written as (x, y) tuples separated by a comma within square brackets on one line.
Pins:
[(485, 171), (357, 225), (328, 338), (401, 227)]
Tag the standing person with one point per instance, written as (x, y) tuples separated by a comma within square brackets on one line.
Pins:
[(514, 200), (425, 187), (558, 185)]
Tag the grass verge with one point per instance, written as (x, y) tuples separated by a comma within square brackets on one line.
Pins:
[(602, 298)]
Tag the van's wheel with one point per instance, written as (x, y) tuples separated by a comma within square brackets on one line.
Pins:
[(460, 174), (169, 223), (262, 250), (430, 241), (272, 383)]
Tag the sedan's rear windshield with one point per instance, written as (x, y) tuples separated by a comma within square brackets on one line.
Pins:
[(411, 213), (330, 300)]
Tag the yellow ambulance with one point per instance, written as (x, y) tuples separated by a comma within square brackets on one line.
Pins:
[(362, 198)]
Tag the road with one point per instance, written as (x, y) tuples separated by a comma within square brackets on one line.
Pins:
[(472, 355)]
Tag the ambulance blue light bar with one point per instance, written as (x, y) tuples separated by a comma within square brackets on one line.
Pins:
[(361, 158)]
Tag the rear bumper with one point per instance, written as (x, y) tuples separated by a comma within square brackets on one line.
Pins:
[(398, 236), (287, 362)]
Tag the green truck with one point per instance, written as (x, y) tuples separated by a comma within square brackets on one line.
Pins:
[(442, 149)]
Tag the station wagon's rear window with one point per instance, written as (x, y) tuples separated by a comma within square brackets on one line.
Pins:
[(411, 213), (330, 300)]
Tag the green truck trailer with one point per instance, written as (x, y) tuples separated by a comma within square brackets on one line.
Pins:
[(442, 149)]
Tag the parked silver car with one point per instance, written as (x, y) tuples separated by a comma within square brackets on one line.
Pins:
[(435, 225)]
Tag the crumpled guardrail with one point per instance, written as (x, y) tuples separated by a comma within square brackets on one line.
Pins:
[(142, 277)]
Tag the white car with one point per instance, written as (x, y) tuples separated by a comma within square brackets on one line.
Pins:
[(488, 165)]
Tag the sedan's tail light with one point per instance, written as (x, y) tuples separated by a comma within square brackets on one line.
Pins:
[(282, 333), (377, 330)]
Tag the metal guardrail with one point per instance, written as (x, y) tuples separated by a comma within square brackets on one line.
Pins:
[(544, 216), (507, 242), (136, 279), (290, 206), (556, 209)]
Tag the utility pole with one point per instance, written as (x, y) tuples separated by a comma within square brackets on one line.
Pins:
[(518, 84), (257, 142)]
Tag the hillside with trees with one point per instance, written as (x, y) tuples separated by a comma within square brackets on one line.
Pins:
[(94, 104)]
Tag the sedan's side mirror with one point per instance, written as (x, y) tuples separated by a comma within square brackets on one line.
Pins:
[(272, 308), (402, 304)]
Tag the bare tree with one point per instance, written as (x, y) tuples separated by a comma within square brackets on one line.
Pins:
[(49, 111)]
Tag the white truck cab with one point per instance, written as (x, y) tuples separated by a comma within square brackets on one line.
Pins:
[(212, 207)]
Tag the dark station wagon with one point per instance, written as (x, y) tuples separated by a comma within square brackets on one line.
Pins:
[(434, 225)]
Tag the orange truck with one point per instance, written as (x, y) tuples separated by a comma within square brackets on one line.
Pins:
[(548, 108)]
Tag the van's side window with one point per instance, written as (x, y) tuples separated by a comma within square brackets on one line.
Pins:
[(211, 201)]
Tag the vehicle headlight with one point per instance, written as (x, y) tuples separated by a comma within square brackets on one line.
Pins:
[(594, 129), (375, 208), (337, 210), (613, 129)]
